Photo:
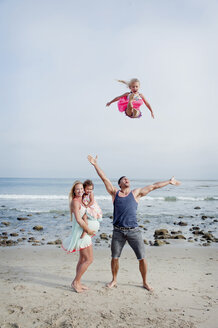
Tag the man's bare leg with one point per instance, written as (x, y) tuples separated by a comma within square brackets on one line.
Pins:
[(143, 271), (114, 270)]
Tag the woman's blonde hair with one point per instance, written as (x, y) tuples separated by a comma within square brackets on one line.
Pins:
[(129, 83), (72, 195)]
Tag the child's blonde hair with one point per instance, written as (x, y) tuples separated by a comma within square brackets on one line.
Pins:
[(129, 83), (72, 195)]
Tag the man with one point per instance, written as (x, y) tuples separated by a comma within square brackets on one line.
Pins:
[(125, 223)]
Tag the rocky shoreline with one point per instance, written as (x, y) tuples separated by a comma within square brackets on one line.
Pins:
[(162, 236)]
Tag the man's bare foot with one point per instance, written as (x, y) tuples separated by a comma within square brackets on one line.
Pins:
[(112, 284), (174, 182), (77, 287), (149, 288), (84, 287)]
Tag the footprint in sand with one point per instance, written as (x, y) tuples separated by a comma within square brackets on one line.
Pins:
[(19, 287)]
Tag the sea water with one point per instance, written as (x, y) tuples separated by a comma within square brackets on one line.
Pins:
[(45, 202)]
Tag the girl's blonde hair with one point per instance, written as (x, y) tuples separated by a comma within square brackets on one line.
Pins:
[(72, 195), (129, 83)]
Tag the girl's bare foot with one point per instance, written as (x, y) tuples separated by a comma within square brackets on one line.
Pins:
[(112, 284), (77, 287), (149, 288)]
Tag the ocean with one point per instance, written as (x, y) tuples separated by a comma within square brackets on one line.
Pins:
[(45, 202)]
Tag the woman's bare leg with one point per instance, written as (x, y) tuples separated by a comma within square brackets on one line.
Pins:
[(86, 258)]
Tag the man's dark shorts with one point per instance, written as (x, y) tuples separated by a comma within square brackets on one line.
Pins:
[(134, 238)]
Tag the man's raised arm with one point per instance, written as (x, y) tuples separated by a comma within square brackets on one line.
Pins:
[(108, 185), (141, 192)]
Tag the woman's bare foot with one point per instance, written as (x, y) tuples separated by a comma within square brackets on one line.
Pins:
[(77, 287), (112, 284), (149, 288), (174, 182)]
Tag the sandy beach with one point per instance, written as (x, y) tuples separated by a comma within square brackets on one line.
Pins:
[(35, 289)]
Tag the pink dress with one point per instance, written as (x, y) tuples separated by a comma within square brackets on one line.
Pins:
[(123, 102), (94, 210)]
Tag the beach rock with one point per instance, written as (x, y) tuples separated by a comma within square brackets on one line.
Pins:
[(22, 219), (190, 240), (4, 237), (35, 244), (145, 242), (14, 234), (208, 236), (197, 208), (58, 242), (146, 221), (158, 242), (161, 232), (180, 217), (97, 240), (29, 215), (215, 220), (110, 236), (19, 240), (174, 232), (204, 217), (111, 217), (206, 244), (10, 242), (22, 230), (6, 223), (179, 237), (198, 232), (4, 233), (181, 223), (38, 228), (104, 236), (50, 243), (31, 239), (151, 243)]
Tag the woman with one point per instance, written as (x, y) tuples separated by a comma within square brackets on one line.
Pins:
[(74, 242)]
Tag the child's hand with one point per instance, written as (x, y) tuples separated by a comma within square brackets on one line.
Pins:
[(152, 114), (91, 232), (108, 104)]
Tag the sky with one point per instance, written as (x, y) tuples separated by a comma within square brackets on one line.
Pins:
[(59, 62)]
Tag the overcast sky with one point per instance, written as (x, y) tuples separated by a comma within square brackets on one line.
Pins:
[(59, 64)]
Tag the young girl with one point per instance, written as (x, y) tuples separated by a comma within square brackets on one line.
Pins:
[(93, 208), (130, 102)]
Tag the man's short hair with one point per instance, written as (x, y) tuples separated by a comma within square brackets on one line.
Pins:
[(120, 179)]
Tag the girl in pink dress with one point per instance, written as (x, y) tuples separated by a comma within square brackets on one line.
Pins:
[(130, 102)]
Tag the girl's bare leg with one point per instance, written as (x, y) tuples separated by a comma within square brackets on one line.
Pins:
[(86, 258), (129, 110)]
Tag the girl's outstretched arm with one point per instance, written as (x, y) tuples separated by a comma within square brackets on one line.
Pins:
[(147, 104), (117, 98)]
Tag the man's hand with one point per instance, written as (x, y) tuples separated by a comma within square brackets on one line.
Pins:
[(174, 182), (92, 160)]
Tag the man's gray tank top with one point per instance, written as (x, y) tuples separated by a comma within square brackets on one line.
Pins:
[(125, 211)]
